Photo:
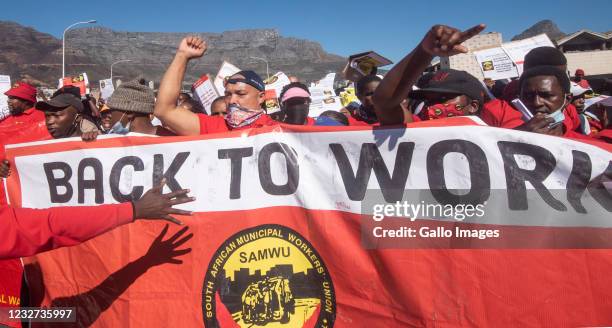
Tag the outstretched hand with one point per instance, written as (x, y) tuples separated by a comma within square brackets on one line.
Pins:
[(445, 41), (154, 205), (192, 47)]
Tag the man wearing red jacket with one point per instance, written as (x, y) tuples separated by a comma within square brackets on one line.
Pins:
[(26, 232)]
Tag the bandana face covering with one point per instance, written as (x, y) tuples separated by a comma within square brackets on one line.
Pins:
[(437, 111), (238, 116)]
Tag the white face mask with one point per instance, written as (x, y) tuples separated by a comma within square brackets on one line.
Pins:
[(238, 116), (557, 115)]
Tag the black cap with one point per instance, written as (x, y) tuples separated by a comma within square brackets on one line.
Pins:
[(449, 81), (251, 78), (60, 102)]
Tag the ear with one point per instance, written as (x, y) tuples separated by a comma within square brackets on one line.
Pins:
[(474, 108), (262, 97)]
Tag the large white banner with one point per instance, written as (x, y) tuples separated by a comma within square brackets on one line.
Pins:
[(333, 168)]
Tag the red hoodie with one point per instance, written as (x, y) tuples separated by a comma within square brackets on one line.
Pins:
[(26, 231)]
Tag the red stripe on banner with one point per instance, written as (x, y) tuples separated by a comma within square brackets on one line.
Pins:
[(382, 288)]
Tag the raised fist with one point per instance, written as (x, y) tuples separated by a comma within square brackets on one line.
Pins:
[(192, 47)]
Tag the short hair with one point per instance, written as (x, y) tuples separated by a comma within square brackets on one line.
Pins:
[(220, 98), (336, 116), (541, 56), (360, 85), (546, 70), (293, 85)]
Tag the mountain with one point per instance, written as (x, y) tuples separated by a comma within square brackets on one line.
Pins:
[(544, 26), (27, 53)]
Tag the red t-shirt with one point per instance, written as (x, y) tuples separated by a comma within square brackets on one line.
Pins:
[(216, 124), (26, 127), (500, 113)]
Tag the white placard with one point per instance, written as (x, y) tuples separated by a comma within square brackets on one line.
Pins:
[(5, 85), (495, 64)]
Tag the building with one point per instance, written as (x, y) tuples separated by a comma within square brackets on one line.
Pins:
[(590, 51)]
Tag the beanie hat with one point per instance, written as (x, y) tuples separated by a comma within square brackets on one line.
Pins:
[(132, 97), (561, 76)]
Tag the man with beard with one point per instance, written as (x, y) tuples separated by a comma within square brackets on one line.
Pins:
[(25, 123), (244, 96)]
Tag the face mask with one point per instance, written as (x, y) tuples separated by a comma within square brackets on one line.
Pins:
[(557, 115), (118, 127), (238, 116), (296, 114), (437, 111)]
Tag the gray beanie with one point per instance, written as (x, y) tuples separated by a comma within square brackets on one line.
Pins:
[(133, 97)]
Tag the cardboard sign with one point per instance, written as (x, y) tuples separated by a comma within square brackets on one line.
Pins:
[(204, 91)]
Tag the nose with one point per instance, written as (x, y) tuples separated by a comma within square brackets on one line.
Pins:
[(538, 101)]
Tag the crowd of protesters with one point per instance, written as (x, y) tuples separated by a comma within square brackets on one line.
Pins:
[(553, 103)]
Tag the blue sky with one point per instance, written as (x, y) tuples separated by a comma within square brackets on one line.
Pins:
[(392, 28)]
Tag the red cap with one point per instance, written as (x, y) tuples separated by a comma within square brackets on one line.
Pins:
[(579, 72), (23, 91)]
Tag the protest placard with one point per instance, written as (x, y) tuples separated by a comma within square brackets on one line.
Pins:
[(204, 91), (362, 64), (276, 82), (5, 85), (495, 64), (517, 50), (81, 81), (106, 88)]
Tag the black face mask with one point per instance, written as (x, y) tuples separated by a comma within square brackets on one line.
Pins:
[(296, 114)]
